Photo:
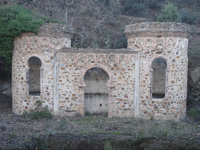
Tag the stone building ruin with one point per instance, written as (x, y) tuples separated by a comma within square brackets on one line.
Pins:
[(146, 80)]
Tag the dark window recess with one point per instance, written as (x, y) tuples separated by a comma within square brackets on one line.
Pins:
[(159, 66), (34, 76)]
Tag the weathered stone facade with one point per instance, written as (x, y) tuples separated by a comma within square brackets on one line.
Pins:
[(168, 41), (128, 73)]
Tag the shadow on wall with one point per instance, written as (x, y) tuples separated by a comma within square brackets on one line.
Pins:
[(159, 66), (96, 92), (34, 75)]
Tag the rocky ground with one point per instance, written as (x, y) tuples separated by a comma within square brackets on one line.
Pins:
[(16, 129)]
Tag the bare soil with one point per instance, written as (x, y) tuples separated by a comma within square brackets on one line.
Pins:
[(17, 129)]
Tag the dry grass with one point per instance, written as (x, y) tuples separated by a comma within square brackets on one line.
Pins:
[(17, 128)]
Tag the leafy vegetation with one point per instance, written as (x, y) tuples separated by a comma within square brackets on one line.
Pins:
[(169, 13), (189, 16), (134, 9), (194, 53), (89, 20), (173, 11), (154, 4), (35, 115), (193, 113), (38, 113), (13, 21), (107, 145), (87, 113), (137, 128)]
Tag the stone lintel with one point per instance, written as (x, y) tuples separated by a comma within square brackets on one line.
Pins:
[(157, 29)]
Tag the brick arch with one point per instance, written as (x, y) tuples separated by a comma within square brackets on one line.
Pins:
[(154, 58), (82, 86), (97, 65), (30, 56)]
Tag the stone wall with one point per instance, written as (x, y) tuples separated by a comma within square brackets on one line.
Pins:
[(122, 81), (168, 41), (41, 46), (118, 64), (62, 84)]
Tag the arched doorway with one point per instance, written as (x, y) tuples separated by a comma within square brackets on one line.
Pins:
[(34, 64), (96, 91)]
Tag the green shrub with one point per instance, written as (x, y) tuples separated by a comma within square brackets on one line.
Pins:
[(40, 114), (194, 53), (39, 104), (87, 113), (185, 2), (189, 16), (169, 13), (13, 21), (107, 145), (193, 113), (61, 125), (154, 4), (134, 9), (106, 3), (120, 41)]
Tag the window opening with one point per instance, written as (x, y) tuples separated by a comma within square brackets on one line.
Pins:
[(159, 66), (34, 76)]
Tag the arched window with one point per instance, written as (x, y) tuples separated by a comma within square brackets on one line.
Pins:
[(34, 76), (96, 91), (159, 66)]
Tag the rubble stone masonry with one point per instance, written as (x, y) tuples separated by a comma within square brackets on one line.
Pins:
[(129, 87)]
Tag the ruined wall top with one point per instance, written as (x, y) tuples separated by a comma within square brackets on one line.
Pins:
[(52, 30), (157, 29), (92, 50)]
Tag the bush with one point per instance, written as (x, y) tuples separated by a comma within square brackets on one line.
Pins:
[(39, 112), (185, 2), (107, 145), (87, 113), (134, 9), (169, 13), (194, 53), (154, 4), (13, 21), (193, 113), (119, 41), (35, 115), (188, 16)]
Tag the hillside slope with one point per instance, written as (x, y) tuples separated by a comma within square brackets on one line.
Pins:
[(97, 25)]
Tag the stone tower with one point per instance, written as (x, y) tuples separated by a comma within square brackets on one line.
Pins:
[(33, 66), (163, 68)]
